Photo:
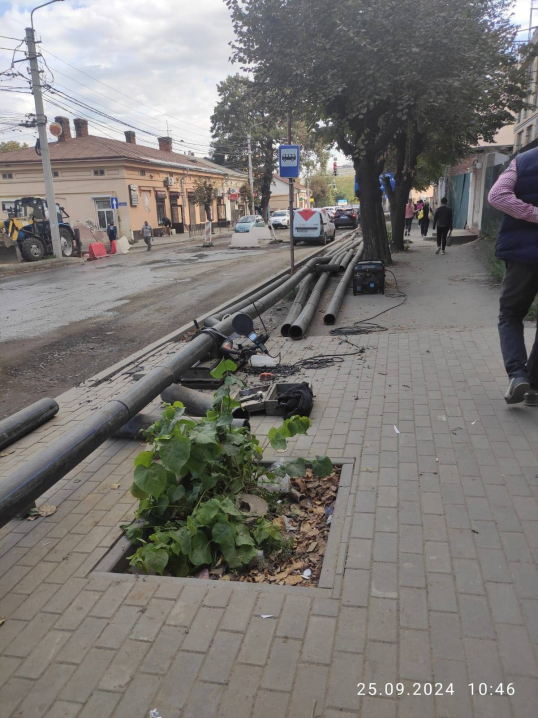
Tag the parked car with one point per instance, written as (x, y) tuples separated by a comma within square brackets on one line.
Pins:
[(312, 224), (331, 211), (246, 223), (280, 219), (346, 217)]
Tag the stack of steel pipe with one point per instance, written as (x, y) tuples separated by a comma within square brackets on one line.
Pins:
[(338, 296), (298, 303), (300, 325)]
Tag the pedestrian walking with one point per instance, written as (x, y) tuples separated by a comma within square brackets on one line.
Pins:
[(442, 219), (112, 232), (147, 234), (425, 221), (409, 214), (516, 194)]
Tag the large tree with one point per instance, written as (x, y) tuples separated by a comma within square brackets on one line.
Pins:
[(369, 88), (12, 145)]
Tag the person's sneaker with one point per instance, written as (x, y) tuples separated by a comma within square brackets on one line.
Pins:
[(518, 387), (531, 397), (438, 250), (442, 251)]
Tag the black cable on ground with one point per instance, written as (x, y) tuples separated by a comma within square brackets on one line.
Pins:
[(366, 326)]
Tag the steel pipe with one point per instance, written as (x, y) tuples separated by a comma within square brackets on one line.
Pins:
[(346, 259), (299, 327), (195, 402), (339, 294), (26, 420), (29, 481), (134, 429), (297, 307)]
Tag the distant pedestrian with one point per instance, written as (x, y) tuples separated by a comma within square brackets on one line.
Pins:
[(147, 233), (167, 224), (516, 194), (409, 214), (443, 220), (112, 232), (425, 221)]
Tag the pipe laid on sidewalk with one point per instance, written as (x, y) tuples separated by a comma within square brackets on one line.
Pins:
[(26, 420), (299, 327), (298, 304), (347, 259), (28, 482), (195, 402), (338, 297), (135, 427)]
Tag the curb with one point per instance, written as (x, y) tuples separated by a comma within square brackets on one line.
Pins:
[(27, 267)]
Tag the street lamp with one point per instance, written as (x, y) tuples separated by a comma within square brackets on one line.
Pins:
[(41, 121)]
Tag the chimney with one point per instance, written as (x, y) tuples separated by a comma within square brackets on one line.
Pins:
[(165, 144), (130, 137), (66, 130), (81, 127)]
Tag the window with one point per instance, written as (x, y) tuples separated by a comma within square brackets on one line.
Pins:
[(98, 173), (142, 173), (221, 209), (104, 213), (519, 143), (55, 174), (7, 175), (528, 136)]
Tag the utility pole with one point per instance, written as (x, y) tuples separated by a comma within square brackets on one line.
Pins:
[(41, 121), (250, 179), (292, 246)]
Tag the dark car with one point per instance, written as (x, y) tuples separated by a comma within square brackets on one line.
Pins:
[(347, 217)]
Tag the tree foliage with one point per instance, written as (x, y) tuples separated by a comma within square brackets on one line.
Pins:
[(369, 89), (322, 189), (204, 194), (12, 145)]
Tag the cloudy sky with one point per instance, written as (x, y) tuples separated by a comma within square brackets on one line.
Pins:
[(160, 61)]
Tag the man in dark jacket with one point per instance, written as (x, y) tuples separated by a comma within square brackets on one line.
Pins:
[(112, 232), (442, 219), (516, 194)]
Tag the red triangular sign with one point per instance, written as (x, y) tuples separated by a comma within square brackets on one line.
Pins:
[(306, 214)]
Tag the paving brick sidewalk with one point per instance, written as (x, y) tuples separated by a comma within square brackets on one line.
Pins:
[(434, 546)]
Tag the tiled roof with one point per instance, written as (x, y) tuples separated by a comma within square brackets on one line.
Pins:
[(100, 148)]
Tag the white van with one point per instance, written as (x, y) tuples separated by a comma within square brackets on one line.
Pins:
[(312, 224)]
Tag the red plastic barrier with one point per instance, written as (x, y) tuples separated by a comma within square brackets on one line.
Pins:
[(97, 250), (113, 249)]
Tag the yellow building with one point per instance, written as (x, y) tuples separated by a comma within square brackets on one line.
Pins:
[(94, 174)]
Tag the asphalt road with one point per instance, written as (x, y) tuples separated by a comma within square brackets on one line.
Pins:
[(62, 326)]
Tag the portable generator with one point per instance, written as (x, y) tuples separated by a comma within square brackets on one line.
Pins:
[(369, 277)]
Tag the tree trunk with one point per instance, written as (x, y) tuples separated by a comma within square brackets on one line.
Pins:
[(267, 178), (401, 196), (374, 229)]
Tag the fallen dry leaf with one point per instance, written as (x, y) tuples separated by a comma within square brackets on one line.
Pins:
[(312, 547), (47, 510), (2, 621), (293, 580), (282, 574), (279, 523), (114, 486)]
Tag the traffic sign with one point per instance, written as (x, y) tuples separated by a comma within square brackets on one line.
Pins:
[(114, 203), (288, 158)]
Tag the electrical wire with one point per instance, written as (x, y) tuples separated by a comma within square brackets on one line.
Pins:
[(366, 326)]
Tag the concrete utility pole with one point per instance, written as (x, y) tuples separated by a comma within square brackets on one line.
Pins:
[(291, 200), (250, 179), (41, 121)]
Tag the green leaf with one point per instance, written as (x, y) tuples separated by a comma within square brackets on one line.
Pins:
[(175, 452), (162, 504), (223, 532), (182, 541), (206, 512), (229, 508), (200, 552), (144, 458), (209, 481), (204, 434), (225, 366), (137, 492), (297, 467), (156, 560), (133, 533), (151, 480), (322, 466), (246, 553), (277, 441), (176, 493), (230, 449), (243, 537)]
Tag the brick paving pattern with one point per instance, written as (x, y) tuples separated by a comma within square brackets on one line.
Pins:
[(430, 573)]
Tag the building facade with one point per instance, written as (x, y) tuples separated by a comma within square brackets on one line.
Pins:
[(97, 179)]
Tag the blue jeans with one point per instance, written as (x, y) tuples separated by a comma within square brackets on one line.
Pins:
[(519, 290)]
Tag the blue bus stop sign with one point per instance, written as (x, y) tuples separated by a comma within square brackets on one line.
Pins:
[(114, 203), (288, 160)]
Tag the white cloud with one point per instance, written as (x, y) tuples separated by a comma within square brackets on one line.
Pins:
[(168, 55)]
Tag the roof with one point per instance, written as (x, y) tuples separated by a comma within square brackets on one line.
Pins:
[(297, 184), (104, 148), (229, 170)]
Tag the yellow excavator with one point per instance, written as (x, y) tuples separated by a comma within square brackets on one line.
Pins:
[(28, 228)]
